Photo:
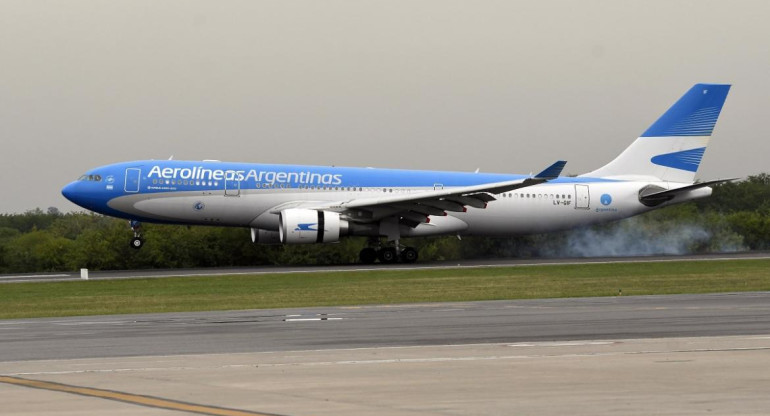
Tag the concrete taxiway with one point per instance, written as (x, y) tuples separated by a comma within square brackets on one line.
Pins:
[(670, 376), (684, 354)]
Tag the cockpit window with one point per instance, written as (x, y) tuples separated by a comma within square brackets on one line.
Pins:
[(91, 178)]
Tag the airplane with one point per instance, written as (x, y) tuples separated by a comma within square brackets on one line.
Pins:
[(294, 204)]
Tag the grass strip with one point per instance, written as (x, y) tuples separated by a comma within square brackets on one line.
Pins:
[(208, 293)]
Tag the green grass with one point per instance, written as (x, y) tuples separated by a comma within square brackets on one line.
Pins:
[(25, 300)]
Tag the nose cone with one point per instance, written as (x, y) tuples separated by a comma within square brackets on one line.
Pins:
[(78, 193), (70, 193)]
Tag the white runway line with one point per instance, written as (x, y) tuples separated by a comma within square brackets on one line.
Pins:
[(563, 344), (311, 319)]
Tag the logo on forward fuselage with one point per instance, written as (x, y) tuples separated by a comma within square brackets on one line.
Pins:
[(252, 175)]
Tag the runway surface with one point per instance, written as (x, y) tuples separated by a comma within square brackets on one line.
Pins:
[(682, 354), (386, 326), (144, 274)]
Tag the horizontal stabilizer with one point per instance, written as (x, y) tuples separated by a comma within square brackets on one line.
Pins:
[(553, 171), (658, 197)]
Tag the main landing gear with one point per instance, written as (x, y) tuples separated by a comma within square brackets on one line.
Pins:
[(387, 254), (137, 242)]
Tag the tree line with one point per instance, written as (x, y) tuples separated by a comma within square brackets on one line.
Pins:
[(736, 217)]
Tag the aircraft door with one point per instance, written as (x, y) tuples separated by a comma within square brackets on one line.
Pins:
[(582, 197), (133, 176), (232, 184)]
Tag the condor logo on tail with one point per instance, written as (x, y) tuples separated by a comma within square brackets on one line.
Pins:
[(688, 160)]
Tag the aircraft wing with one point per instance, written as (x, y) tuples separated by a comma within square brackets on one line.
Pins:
[(414, 208)]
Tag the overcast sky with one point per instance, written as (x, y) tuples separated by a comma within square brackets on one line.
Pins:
[(505, 86)]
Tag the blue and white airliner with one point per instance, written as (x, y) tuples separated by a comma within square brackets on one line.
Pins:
[(292, 204)]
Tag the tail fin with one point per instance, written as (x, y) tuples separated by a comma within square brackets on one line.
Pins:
[(672, 148)]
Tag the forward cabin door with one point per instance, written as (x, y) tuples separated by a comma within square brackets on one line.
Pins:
[(582, 197), (133, 176)]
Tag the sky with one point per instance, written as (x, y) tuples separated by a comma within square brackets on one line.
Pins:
[(502, 86)]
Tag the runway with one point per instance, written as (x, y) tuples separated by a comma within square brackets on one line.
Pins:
[(386, 326), (682, 354), (152, 274)]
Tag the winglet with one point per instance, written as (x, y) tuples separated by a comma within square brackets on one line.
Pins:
[(553, 171)]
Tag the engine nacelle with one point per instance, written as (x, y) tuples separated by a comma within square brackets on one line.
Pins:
[(305, 226)]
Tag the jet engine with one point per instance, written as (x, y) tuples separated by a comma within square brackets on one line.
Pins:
[(304, 226)]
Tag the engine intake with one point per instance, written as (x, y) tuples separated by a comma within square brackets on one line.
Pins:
[(305, 226)]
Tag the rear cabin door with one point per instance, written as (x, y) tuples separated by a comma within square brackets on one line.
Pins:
[(582, 197)]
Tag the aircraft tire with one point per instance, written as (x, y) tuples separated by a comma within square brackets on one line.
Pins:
[(136, 243), (388, 255), (409, 255), (367, 255)]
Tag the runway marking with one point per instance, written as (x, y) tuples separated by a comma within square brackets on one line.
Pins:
[(311, 319), (136, 399), (563, 344)]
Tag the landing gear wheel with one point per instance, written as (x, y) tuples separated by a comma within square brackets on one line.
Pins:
[(136, 243), (367, 255), (388, 255), (409, 255)]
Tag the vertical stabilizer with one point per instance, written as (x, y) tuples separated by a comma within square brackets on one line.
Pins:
[(672, 148)]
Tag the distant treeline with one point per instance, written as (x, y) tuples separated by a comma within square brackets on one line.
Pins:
[(735, 217)]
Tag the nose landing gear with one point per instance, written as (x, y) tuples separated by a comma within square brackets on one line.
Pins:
[(137, 242)]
